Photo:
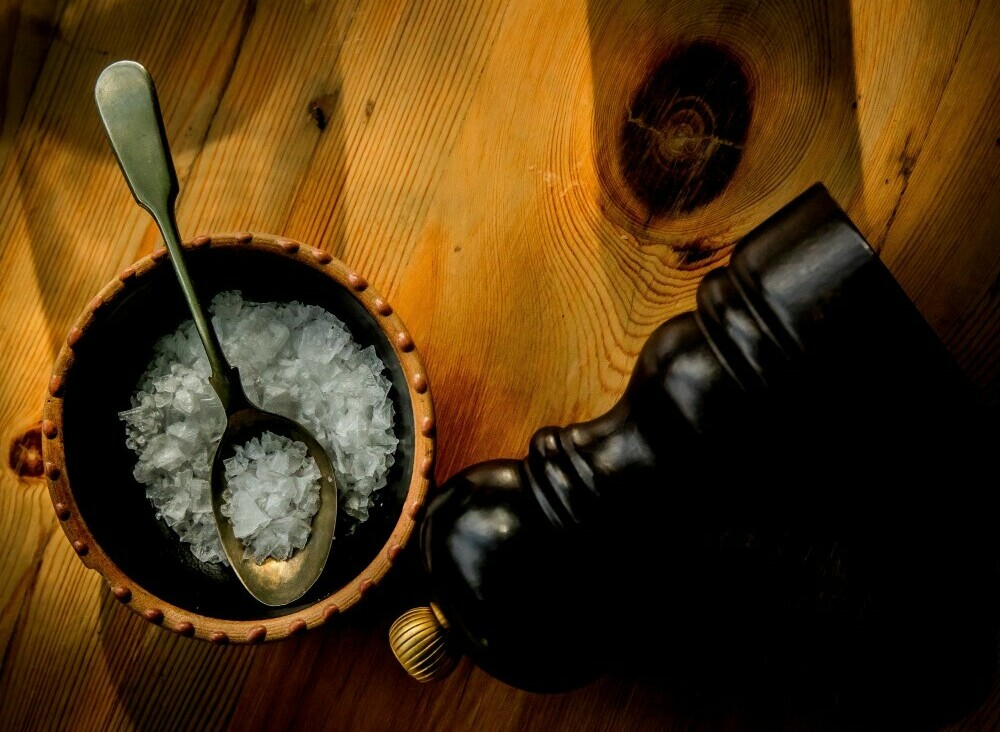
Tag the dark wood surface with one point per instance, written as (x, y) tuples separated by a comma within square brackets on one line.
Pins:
[(509, 174)]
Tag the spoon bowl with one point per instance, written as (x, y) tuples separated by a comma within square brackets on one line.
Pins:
[(129, 108), (274, 582)]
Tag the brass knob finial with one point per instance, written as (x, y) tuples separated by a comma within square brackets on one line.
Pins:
[(419, 640)]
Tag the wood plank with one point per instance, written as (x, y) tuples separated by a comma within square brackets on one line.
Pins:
[(942, 237), (68, 225), (466, 156)]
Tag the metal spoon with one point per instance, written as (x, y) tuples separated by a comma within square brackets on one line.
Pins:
[(126, 99)]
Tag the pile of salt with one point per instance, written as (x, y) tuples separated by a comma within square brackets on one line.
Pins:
[(271, 495), (297, 360)]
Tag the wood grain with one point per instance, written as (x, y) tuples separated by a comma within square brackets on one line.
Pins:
[(465, 155)]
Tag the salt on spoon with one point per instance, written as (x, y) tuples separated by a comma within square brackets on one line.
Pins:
[(127, 102)]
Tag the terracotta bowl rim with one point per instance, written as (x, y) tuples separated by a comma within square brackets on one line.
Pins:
[(159, 611)]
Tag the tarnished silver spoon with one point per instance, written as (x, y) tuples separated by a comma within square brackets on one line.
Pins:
[(126, 99)]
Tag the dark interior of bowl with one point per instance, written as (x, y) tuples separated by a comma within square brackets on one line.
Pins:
[(112, 356)]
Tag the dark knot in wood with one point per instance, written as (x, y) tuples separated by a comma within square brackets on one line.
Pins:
[(684, 131), (25, 455)]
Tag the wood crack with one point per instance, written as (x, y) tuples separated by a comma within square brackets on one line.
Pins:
[(907, 160)]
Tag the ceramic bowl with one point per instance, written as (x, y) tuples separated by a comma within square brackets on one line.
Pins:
[(104, 511)]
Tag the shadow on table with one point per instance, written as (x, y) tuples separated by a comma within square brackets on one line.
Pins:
[(60, 146), (162, 679), (778, 628), (703, 110), (160, 676)]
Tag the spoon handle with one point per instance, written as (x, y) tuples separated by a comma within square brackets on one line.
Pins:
[(126, 99)]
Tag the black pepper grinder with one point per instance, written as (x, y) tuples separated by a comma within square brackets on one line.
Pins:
[(793, 462)]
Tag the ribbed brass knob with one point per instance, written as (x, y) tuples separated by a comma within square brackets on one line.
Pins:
[(419, 639)]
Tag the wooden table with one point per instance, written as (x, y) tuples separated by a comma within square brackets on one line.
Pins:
[(535, 185)]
